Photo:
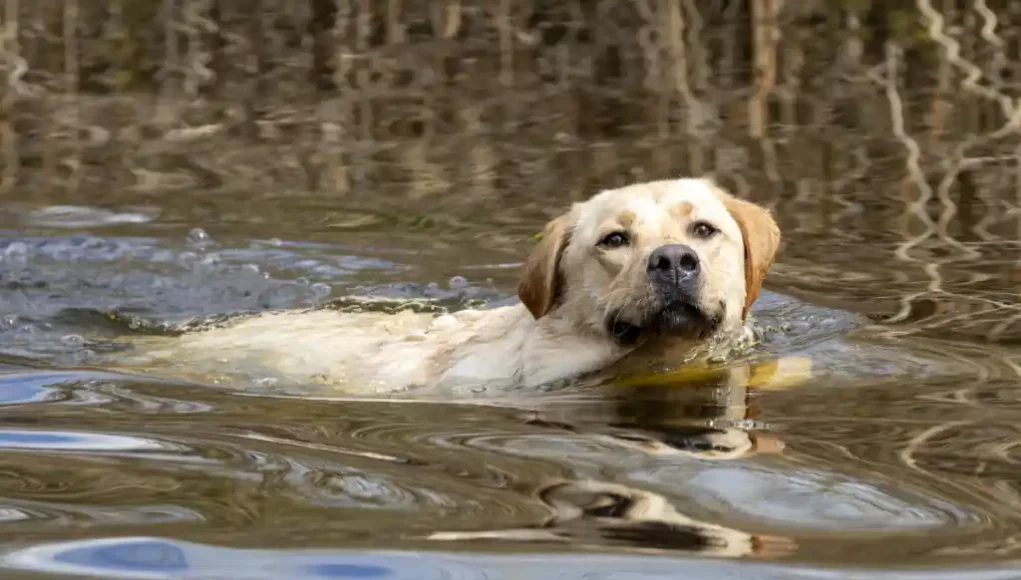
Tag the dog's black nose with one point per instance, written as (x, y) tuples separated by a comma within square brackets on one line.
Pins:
[(673, 259)]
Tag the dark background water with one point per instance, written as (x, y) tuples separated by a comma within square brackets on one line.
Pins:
[(164, 162)]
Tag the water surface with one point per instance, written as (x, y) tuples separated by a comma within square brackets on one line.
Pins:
[(872, 433)]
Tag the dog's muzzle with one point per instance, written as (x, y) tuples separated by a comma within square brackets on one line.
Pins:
[(675, 273)]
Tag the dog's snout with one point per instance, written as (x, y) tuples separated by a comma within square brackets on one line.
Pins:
[(673, 259)]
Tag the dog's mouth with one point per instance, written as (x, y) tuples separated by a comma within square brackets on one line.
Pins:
[(679, 318)]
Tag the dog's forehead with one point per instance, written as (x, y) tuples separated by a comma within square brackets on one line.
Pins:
[(653, 201)]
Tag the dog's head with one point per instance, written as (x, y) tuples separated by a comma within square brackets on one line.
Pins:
[(679, 258)]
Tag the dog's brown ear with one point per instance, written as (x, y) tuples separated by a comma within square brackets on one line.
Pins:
[(541, 281), (761, 241)]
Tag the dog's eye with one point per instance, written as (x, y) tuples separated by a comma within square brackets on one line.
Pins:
[(614, 240), (703, 230)]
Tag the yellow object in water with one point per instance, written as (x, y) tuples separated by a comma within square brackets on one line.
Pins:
[(773, 374), (781, 373)]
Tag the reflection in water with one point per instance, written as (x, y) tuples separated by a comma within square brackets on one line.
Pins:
[(875, 425), (722, 468), (17, 389), (158, 559), (593, 514), (672, 423), (53, 440)]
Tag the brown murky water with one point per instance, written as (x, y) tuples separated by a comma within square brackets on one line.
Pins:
[(897, 454)]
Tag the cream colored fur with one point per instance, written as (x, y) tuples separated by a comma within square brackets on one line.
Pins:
[(570, 285)]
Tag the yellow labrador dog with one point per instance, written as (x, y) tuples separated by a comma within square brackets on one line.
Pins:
[(664, 264)]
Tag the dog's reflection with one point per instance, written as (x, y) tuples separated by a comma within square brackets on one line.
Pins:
[(597, 514), (704, 413), (700, 442)]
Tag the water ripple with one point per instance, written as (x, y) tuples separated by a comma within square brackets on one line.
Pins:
[(22, 388), (73, 216), (152, 558), (75, 441)]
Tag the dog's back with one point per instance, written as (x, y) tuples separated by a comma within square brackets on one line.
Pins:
[(336, 348)]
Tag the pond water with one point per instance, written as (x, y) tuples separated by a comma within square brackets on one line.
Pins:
[(872, 433), (895, 447)]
